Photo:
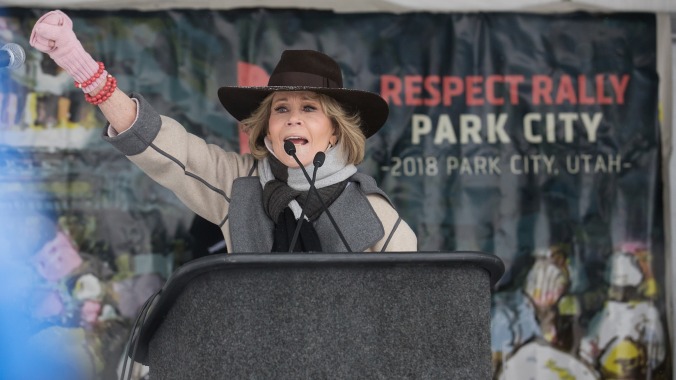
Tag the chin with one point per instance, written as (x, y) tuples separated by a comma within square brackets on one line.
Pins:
[(304, 160)]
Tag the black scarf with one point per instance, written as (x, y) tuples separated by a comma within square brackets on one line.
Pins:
[(276, 197)]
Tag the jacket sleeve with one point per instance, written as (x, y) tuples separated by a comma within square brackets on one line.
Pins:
[(399, 237), (200, 174)]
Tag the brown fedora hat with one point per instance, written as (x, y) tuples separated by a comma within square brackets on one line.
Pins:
[(307, 70)]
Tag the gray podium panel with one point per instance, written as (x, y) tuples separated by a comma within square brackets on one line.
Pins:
[(324, 316)]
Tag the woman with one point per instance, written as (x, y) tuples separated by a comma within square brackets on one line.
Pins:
[(262, 201)]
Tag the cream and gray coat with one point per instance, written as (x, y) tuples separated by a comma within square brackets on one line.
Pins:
[(223, 187)]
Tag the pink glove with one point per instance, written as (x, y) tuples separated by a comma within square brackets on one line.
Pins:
[(53, 34)]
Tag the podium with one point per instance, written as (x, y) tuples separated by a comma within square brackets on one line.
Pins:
[(323, 316)]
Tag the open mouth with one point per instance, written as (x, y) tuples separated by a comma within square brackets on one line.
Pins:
[(297, 140)]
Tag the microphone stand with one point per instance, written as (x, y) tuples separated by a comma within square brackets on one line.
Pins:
[(291, 151), (307, 198)]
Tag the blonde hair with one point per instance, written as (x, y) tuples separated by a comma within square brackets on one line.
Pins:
[(348, 132)]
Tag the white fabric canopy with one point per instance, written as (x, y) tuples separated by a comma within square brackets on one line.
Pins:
[(362, 5)]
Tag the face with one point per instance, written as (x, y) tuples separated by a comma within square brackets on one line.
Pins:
[(57, 258), (297, 117)]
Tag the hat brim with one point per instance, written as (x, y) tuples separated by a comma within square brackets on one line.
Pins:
[(241, 102)]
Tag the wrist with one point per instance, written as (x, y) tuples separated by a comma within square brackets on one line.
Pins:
[(91, 83), (78, 64), (97, 84), (102, 91)]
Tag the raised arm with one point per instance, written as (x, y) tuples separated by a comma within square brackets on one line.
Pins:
[(53, 34)]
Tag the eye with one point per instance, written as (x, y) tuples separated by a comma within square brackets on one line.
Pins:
[(309, 108), (280, 109)]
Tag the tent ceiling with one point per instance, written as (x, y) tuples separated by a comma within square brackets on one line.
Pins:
[(361, 5)]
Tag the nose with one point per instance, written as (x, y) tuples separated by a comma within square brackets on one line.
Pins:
[(294, 118), (293, 121)]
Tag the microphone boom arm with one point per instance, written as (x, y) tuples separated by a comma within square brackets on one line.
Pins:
[(291, 151), (302, 214)]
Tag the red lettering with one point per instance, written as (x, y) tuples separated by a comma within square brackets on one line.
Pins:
[(620, 87), (473, 88), (566, 91), (601, 97), (542, 89), (490, 90), (390, 89), (452, 86), (582, 88), (413, 89), (431, 83), (498, 90), (514, 81)]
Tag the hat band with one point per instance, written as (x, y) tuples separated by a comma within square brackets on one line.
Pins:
[(295, 78)]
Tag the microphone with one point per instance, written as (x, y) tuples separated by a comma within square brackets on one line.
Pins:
[(12, 56), (290, 149), (319, 159), (318, 162)]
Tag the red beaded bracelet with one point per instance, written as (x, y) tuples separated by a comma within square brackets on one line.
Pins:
[(94, 77), (105, 93)]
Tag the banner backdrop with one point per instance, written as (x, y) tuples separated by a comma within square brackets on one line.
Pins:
[(532, 137)]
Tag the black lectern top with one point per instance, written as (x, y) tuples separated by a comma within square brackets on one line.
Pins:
[(189, 272)]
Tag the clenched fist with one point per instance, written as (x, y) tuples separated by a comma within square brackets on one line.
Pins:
[(53, 34)]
